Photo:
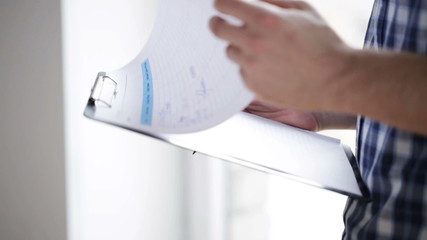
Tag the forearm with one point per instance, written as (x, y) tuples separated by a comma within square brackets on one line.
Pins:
[(388, 87)]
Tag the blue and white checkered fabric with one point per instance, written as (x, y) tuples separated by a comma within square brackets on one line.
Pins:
[(393, 162)]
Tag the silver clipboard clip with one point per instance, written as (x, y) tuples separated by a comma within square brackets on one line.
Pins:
[(104, 91)]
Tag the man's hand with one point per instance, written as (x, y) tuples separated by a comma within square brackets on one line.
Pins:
[(299, 119), (312, 121), (286, 51)]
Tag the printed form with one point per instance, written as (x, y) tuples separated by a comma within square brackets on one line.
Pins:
[(185, 81)]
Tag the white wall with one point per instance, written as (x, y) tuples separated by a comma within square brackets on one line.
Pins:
[(120, 184), (32, 182)]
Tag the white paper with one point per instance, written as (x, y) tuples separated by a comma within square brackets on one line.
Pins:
[(182, 80)]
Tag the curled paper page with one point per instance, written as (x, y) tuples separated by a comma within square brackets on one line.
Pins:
[(181, 81)]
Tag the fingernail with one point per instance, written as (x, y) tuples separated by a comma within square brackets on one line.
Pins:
[(213, 20)]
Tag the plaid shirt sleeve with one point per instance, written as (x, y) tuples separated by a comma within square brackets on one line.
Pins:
[(393, 162)]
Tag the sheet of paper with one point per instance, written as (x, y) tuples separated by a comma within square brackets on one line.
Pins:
[(181, 81)]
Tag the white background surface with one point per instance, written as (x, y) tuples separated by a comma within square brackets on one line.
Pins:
[(121, 185)]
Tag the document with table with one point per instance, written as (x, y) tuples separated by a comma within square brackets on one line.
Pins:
[(182, 89)]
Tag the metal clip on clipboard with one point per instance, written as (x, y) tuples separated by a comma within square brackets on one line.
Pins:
[(104, 91)]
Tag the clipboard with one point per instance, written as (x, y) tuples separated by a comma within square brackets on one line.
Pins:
[(247, 140), (182, 89)]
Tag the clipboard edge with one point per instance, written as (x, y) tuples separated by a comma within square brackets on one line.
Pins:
[(163, 137)]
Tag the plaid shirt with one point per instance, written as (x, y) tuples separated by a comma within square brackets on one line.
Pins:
[(393, 162)]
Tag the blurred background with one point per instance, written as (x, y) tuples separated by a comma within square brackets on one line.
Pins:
[(63, 176)]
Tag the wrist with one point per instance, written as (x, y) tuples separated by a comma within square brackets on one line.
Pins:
[(342, 80)]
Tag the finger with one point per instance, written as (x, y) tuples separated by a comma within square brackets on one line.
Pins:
[(243, 74), (301, 5), (239, 36), (252, 13), (263, 106), (224, 30), (236, 54)]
